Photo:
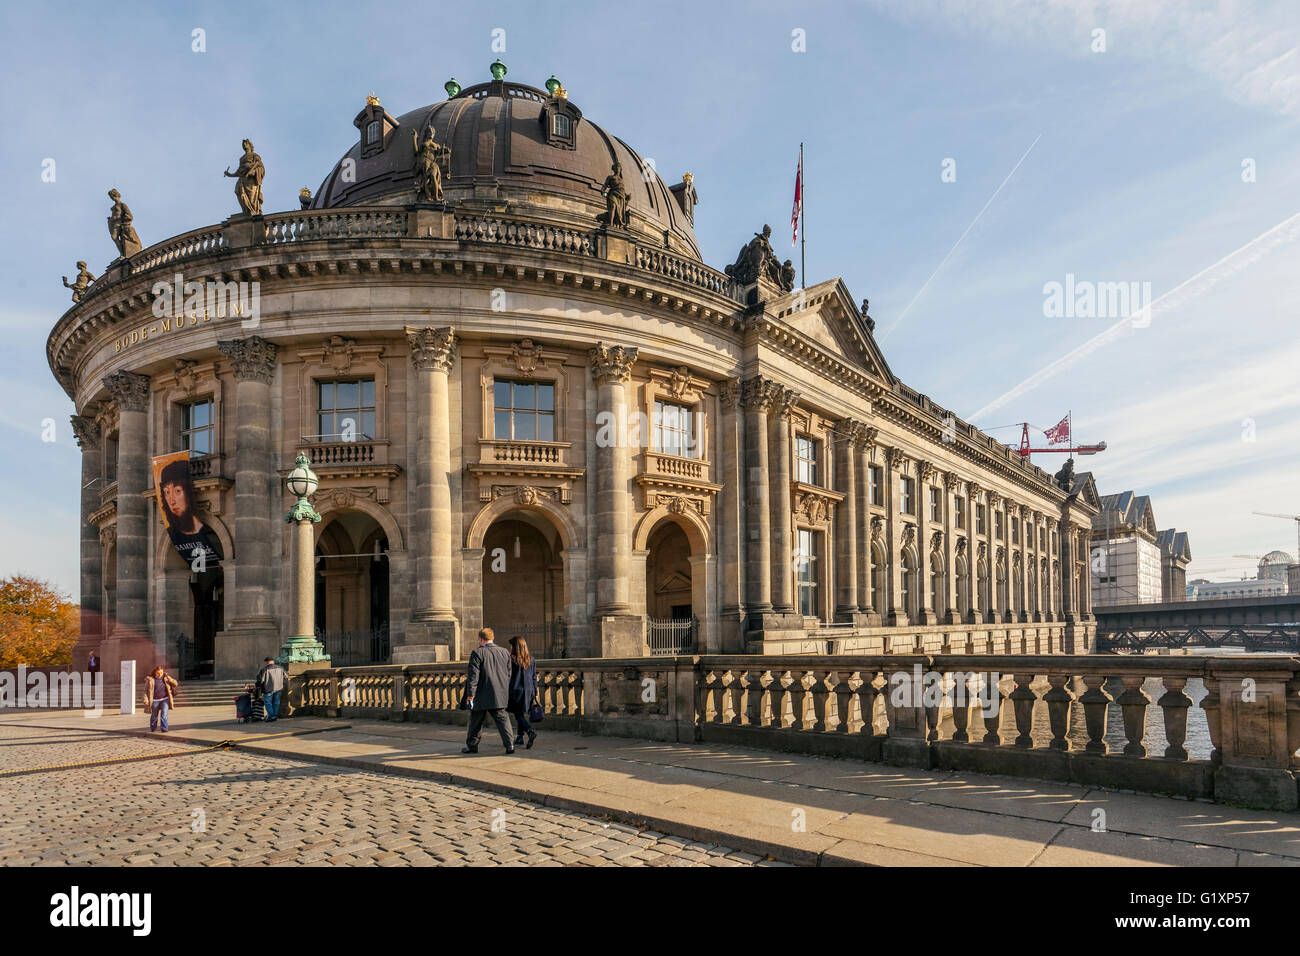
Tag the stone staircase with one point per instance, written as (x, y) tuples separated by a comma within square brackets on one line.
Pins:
[(195, 693)]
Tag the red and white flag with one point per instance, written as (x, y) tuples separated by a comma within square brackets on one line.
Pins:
[(1060, 432), (798, 201)]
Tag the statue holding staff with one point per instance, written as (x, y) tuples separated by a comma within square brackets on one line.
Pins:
[(248, 185)]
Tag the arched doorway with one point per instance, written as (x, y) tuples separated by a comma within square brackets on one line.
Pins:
[(671, 615), (352, 592), (523, 582)]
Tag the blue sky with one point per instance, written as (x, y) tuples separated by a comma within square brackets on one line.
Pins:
[(1135, 175)]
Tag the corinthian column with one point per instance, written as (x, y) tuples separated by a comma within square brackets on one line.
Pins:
[(433, 632), (131, 394), (782, 460), (848, 436), (92, 555), (863, 533), (757, 396), (256, 490), (730, 527), (620, 630)]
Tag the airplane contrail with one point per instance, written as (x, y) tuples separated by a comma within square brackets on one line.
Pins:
[(1288, 230), (978, 216)]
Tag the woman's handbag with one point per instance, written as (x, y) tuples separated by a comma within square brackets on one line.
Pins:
[(535, 713)]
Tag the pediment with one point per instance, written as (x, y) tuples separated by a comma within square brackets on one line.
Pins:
[(825, 315)]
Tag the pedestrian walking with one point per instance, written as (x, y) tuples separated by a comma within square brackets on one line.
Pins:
[(523, 689), (272, 680), (158, 697), (92, 665), (487, 691)]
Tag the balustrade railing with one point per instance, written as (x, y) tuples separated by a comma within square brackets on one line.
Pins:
[(342, 453), (1226, 728), (187, 245), (310, 225), (528, 235), (525, 452)]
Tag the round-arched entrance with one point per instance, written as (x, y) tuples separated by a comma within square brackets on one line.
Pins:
[(352, 589), (523, 581)]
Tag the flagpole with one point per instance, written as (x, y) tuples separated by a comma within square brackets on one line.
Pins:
[(803, 228)]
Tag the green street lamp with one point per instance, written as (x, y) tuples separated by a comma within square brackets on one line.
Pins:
[(302, 646)]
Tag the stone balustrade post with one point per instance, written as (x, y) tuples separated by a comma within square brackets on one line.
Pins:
[(1252, 737)]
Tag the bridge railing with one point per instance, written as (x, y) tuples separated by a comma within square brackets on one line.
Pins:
[(1221, 728)]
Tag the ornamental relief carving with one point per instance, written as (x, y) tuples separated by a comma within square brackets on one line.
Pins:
[(936, 541), (953, 481), (526, 495), (338, 354), (926, 470), (877, 526), (811, 507), (897, 459), (678, 504), (253, 358), (130, 391), (108, 536), (909, 534), (342, 497), (526, 357)]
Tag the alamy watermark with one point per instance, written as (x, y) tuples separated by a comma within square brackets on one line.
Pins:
[(1085, 299), (60, 689)]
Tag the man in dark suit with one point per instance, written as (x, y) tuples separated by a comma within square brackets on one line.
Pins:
[(488, 690)]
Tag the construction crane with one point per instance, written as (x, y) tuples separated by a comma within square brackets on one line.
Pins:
[(1295, 518), (1025, 451)]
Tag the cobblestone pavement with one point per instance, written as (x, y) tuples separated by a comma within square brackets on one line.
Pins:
[(222, 808)]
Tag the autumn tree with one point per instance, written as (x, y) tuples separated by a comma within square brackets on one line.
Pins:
[(38, 624)]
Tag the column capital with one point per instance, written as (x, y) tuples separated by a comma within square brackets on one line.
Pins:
[(129, 391), (993, 498), (973, 489), (730, 392), (852, 432), (897, 458), (432, 349), (252, 357), (87, 431), (612, 363), (953, 481), (924, 470)]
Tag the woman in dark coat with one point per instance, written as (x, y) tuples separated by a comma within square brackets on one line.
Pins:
[(523, 688)]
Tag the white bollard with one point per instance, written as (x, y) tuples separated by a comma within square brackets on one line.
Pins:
[(128, 688)]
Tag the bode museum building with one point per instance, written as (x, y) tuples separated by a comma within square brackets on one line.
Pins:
[(530, 405)]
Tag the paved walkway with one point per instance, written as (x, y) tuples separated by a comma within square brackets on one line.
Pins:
[(806, 810), (230, 808)]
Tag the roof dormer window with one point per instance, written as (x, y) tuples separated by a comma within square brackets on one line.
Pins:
[(375, 124), (559, 117)]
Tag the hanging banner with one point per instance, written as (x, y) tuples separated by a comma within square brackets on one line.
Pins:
[(177, 503)]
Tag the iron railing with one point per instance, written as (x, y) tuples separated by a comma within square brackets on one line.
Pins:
[(545, 639), (672, 636), (356, 648)]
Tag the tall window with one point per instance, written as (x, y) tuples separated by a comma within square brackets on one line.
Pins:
[(674, 430), (561, 125), (979, 519), (372, 131), (525, 411), (805, 459), (1015, 530), (906, 503), (806, 571), (346, 410), (198, 428), (876, 475), (110, 459), (959, 511), (936, 504), (997, 524)]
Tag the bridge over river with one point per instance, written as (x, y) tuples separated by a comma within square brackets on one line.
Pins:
[(1256, 624)]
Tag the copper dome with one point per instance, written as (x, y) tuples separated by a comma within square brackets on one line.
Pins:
[(500, 155)]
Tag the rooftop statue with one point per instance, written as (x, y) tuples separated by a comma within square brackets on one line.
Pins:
[(249, 176), (120, 228), (870, 322), (428, 172), (757, 259), (79, 287), (616, 196), (1065, 477)]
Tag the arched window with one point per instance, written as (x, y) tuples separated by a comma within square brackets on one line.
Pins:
[(907, 599), (938, 584)]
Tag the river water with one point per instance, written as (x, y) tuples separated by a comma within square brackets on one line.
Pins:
[(1198, 732)]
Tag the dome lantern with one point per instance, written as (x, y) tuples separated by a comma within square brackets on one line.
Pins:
[(498, 70), (452, 88)]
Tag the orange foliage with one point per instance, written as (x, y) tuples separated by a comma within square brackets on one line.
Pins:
[(38, 625)]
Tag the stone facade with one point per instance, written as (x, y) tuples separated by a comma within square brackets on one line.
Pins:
[(558, 428)]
